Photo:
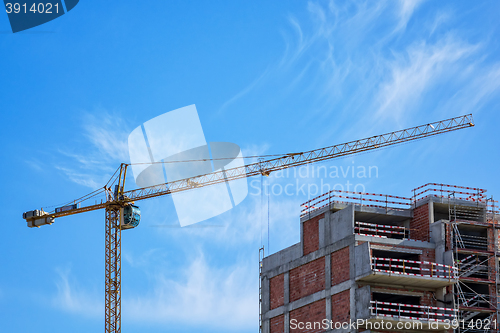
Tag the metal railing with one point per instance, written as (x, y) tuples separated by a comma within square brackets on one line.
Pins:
[(412, 312), (442, 191), (473, 300), (472, 242), (413, 268), (474, 266), (381, 230), (385, 201)]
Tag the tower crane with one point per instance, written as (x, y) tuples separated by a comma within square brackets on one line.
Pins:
[(121, 212)]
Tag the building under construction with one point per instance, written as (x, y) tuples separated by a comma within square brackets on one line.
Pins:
[(371, 263)]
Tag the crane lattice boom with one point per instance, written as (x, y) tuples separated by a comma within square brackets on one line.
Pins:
[(116, 202)]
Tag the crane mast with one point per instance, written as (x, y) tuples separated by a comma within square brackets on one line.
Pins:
[(119, 200), (113, 270)]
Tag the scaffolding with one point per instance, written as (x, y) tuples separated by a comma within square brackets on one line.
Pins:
[(261, 258), (473, 254), (470, 215)]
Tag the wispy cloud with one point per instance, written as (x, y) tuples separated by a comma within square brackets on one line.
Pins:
[(417, 70), (243, 92), (91, 161), (108, 132), (84, 179), (439, 20), (204, 296), (73, 298), (406, 10)]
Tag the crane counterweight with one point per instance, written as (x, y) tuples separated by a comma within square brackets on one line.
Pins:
[(37, 218)]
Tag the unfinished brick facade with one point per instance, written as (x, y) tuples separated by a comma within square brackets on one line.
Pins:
[(307, 279), (313, 313), (311, 234), (419, 225), (277, 324), (341, 307), (277, 291), (339, 261), (381, 263)]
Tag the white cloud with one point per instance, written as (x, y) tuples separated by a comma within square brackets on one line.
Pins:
[(416, 70), (406, 10), (92, 162), (108, 132), (243, 92), (483, 85), (84, 179), (72, 298), (440, 19), (204, 296)]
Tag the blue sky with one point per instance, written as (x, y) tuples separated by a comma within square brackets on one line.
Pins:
[(271, 76)]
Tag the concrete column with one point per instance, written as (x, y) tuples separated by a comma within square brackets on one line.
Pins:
[(301, 239), (352, 263), (286, 322), (431, 211), (328, 286), (328, 271), (440, 294), (286, 284), (321, 233), (352, 302), (328, 228), (265, 326), (265, 291), (286, 301)]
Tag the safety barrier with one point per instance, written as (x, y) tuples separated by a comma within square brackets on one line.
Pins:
[(473, 300), (381, 230), (412, 312), (385, 201), (472, 242), (474, 266), (413, 268), (472, 194)]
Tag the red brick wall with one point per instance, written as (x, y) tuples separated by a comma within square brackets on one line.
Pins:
[(307, 279), (491, 239), (498, 242), (419, 224), (340, 266), (310, 231), (277, 324), (428, 255), (492, 268), (314, 312), (341, 307), (449, 242), (277, 291)]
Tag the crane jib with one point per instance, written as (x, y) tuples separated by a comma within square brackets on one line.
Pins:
[(302, 158), (121, 213), (266, 167)]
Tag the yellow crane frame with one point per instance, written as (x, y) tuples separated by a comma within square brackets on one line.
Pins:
[(114, 203)]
